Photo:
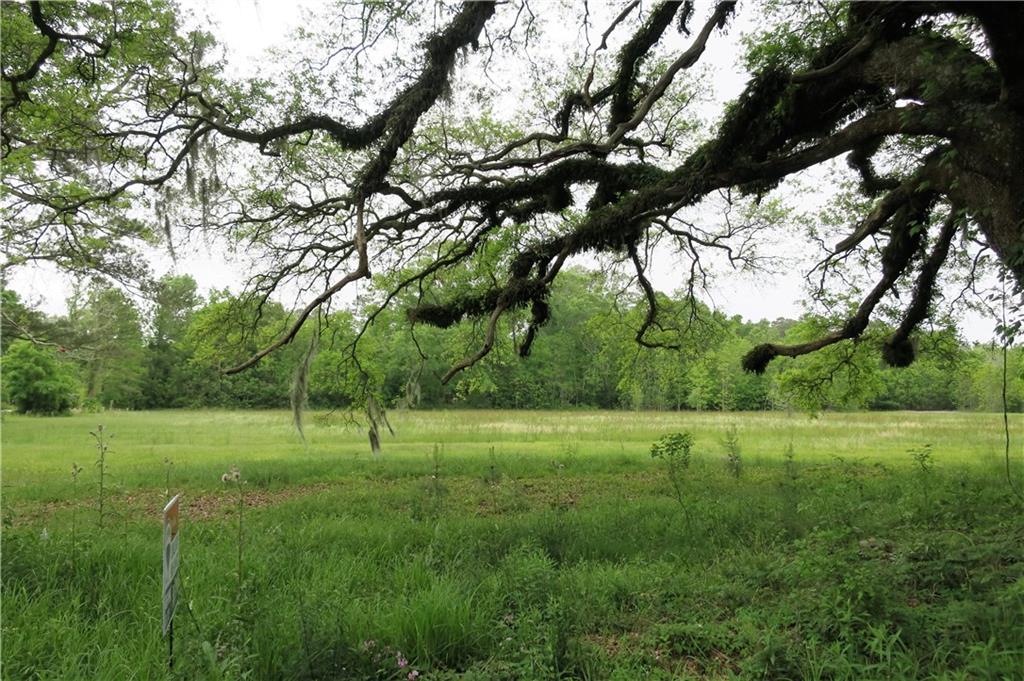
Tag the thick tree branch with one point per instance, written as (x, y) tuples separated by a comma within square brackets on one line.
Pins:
[(898, 351), (907, 233)]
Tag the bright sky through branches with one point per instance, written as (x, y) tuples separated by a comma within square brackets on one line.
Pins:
[(247, 29)]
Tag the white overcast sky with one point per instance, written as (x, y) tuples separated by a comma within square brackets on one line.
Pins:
[(248, 28)]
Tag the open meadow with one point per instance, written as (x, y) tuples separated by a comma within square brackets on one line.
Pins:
[(516, 545)]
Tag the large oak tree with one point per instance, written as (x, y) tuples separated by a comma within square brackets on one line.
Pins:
[(419, 166)]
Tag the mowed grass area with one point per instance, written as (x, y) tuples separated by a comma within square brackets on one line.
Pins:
[(517, 545)]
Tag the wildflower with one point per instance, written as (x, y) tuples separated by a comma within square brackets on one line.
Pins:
[(368, 643), (44, 535), (413, 675), (402, 662)]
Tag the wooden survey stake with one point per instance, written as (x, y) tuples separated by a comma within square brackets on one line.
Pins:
[(170, 581)]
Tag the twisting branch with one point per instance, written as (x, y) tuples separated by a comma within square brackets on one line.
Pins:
[(907, 234), (651, 318), (492, 324), (53, 38), (898, 351), (400, 115), (361, 271), (929, 174), (22, 332), (633, 52), (604, 44), (520, 290), (684, 61), (862, 47), (615, 22)]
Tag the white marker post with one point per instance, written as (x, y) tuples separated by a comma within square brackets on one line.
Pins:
[(170, 581)]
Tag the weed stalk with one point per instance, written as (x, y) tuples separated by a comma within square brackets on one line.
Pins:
[(103, 446), (75, 471), (733, 461)]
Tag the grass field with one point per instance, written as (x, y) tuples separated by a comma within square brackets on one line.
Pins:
[(516, 545)]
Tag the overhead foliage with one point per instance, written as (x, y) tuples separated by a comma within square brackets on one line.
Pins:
[(119, 128)]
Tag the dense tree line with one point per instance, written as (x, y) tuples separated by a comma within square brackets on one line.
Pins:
[(108, 351)]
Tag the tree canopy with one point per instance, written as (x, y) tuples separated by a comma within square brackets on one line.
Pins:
[(35, 382), (463, 175)]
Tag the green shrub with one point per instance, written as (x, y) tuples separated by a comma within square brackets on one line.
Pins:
[(35, 381), (675, 450)]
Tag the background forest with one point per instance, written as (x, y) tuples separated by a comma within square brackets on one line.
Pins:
[(107, 351)]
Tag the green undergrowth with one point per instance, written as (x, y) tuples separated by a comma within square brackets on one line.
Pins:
[(564, 564)]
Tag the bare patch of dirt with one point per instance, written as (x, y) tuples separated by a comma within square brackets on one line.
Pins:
[(150, 503)]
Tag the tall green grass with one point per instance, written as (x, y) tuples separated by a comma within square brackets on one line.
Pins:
[(565, 555), (38, 452)]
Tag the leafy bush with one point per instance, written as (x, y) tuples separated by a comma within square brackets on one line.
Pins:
[(36, 382), (674, 447), (674, 450)]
